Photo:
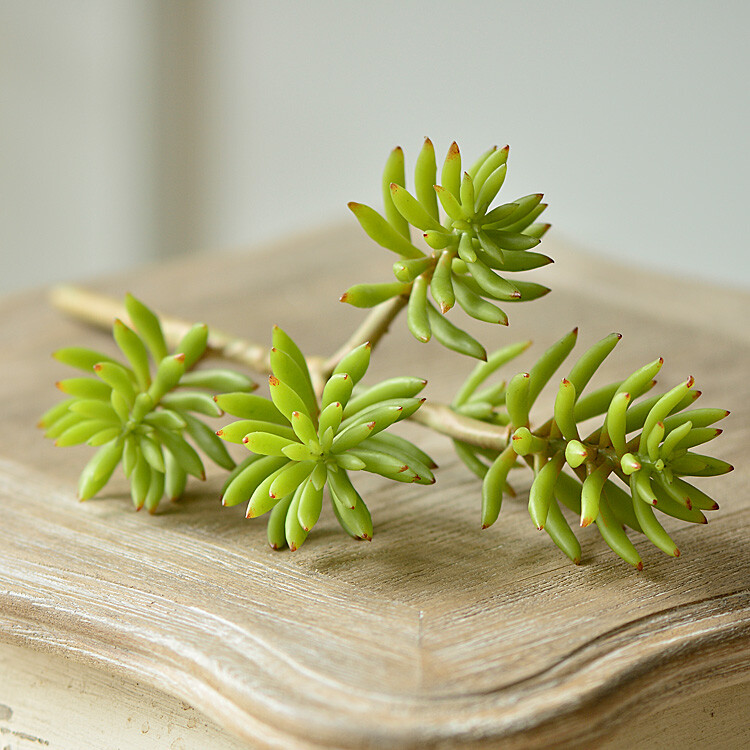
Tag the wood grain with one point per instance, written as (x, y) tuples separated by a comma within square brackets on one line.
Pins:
[(436, 633)]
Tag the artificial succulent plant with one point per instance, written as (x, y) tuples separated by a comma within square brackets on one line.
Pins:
[(321, 424)]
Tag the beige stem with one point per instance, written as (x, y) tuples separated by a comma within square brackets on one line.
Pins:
[(441, 418), (100, 310), (372, 329)]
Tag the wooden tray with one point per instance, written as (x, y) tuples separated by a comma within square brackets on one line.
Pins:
[(436, 633)]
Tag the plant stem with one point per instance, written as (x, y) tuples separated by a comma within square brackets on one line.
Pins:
[(441, 418), (100, 310), (372, 329)]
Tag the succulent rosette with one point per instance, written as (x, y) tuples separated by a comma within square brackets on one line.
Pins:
[(143, 412), (300, 446), (470, 244), (635, 462)]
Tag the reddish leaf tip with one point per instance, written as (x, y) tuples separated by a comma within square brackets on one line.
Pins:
[(676, 552), (344, 297), (639, 566)]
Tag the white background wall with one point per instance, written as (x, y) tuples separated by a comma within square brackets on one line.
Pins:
[(132, 130)]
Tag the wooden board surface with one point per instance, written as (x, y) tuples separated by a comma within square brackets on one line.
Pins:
[(436, 633)]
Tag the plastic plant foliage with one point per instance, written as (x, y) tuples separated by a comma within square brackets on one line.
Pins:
[(299, 446), (140, 412), (609, 455), (470, 243), (645, 444)]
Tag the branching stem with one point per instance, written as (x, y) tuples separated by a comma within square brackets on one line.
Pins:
[(100, 310), (372, 329), (441, 418)]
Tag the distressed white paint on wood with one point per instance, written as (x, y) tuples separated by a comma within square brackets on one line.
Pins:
[(58, 703), (435, 633)]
